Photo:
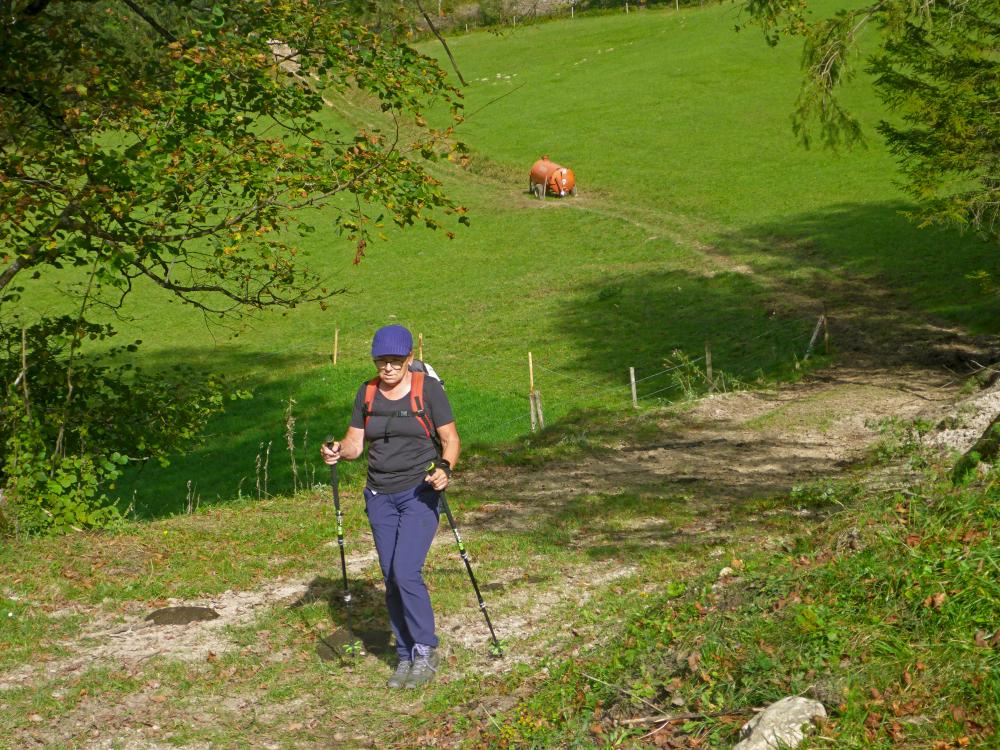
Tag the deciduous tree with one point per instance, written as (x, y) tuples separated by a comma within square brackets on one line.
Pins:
[(180, 145)]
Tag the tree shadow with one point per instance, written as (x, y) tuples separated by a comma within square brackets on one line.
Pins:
[(638, 319), (891, 293), (244, 451), (873, 252), (360, 621)]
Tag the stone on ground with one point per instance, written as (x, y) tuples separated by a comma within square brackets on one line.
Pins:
[(780, 725)]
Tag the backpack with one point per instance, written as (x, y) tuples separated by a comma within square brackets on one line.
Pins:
[(418, 372)]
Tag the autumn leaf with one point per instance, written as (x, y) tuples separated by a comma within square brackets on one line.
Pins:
[(935, 601), (693, 660)]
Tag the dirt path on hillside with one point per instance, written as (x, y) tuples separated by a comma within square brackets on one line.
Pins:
[(725, 449), (706, 460)]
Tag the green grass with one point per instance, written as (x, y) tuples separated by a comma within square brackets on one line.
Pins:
[(700, 219), (885, 613)]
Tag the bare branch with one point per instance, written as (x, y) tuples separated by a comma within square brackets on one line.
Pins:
[(443, 42), (156, 25)]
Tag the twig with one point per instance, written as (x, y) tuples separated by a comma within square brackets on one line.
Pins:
[(685, 717), (444, 44), (622, 690)]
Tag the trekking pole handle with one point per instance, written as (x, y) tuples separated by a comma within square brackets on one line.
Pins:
[(334, 476)]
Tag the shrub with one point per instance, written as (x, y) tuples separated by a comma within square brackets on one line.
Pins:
[(69, 423)]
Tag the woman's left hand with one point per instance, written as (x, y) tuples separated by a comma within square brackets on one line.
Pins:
[(437, 479)]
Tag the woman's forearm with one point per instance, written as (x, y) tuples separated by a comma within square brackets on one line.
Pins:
[(451, 446), (353, 444)]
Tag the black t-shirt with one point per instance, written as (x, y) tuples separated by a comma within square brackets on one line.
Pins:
[(399, 449)]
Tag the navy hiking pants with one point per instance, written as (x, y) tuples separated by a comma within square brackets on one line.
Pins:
[(404, 524)]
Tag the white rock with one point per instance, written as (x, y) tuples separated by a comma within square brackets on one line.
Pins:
[(780, 725)]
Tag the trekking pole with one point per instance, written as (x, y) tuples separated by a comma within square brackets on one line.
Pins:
[(354, 645), (335, 484), (498, 651)]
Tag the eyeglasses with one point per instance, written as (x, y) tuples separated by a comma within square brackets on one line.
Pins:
[(396, 363)]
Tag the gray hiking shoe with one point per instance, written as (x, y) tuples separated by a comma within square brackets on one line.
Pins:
[(425, 664), (398, 678)]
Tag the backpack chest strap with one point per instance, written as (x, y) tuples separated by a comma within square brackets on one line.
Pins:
[(416, 409)]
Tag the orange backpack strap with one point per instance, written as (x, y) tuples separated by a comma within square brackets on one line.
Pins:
[(417, 402), (370, 389)]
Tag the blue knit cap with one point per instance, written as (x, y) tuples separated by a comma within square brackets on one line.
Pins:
[(392, 341)]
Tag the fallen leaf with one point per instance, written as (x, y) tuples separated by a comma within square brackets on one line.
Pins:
[(895, 731), (693, 660), (935, 600), (980, 639)]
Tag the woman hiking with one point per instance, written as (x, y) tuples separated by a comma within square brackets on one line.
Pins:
[(407, 422)]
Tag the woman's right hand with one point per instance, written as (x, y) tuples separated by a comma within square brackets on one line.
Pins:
[(330, 452)]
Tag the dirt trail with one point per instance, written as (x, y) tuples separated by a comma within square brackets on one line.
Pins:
[(722, 450)]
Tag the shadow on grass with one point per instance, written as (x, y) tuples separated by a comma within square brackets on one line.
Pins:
[(638, 319), (361, 621), (872, 252), (244, 450), (886, 287)]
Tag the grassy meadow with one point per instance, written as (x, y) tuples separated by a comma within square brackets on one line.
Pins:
[(678, 130), (699, 219)]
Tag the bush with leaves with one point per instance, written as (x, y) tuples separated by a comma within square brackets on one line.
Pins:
[(70, 423)]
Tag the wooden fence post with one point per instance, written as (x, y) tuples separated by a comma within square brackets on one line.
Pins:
[(812, 341), (708, 368), (531, 392), (826, 337), (538, 410), (420, 347), (631, 378), (336, 345)]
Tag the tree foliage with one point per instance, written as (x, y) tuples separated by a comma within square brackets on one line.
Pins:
[(936, 66), (173, 141), (182, 145)]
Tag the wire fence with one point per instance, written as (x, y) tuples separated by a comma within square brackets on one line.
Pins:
[(568, 384)]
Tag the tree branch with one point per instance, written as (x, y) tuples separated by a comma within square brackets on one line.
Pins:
[(443, 42), (156, 26), (23, 259)]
